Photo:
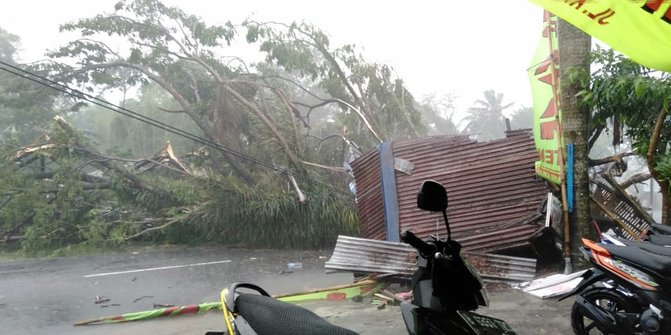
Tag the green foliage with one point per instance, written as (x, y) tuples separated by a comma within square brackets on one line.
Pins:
[(663, 167), (50, 206), (382, 99), (8, 46), (631, 98), (240, 215), (24, 105), (60, 214), (270, 115), (18, 194), (58, 207), (175, 192), (630, 94), (251, 113)]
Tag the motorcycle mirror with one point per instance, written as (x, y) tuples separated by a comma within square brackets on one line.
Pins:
[(432, 196)]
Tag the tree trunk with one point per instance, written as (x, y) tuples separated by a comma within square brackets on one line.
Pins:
[(574, 48), (664, 185)]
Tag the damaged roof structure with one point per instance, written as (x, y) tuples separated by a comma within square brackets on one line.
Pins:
[(495, 199)]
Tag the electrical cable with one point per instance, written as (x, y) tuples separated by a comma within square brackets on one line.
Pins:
[(41, 80)]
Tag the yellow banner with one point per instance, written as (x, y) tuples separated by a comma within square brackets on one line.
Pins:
[(639, 29), (544, 80)]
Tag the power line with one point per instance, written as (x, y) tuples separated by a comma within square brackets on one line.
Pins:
[(41, 80)]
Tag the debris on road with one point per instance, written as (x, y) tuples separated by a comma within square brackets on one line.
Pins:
[(294, 266), (336, 296), (163, 306), (368, 256), (291, 267), (385, 299), (362, 288), (142, 297), (100, 300), (151, 314)]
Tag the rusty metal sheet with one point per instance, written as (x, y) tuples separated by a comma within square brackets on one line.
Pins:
[(354, 254), (369, 195), (360, 255)]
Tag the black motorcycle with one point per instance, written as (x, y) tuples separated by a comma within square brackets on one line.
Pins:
[(627, 291), (446, 289)]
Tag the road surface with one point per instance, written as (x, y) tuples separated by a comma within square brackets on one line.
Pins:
[(48, 296)]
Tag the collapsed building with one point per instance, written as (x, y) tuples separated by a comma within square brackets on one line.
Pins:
[(495, 199), (497, 205)]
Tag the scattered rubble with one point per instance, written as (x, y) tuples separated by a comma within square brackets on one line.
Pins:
[(372, 257)]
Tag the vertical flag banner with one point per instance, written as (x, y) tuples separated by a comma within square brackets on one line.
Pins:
[(639, 29), (544, 80)]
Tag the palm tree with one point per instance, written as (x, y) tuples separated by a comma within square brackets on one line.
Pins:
[(485, 118)]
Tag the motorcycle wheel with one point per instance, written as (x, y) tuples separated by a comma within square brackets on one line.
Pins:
[(605, 298)]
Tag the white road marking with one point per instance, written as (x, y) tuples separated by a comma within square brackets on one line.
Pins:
[(155, 269)]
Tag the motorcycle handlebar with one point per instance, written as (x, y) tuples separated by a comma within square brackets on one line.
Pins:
[(425, 249)]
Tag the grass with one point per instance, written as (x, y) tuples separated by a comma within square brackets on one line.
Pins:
[(13, 254)]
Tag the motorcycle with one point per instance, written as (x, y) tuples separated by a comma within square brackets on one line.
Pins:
[(446, 291), (655, 234), (609, 232), (658, 234), (626, 292)]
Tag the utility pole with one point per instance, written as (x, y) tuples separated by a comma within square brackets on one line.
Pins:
[(574, 49)]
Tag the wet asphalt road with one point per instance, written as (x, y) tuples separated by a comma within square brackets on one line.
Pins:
[(48, 296)]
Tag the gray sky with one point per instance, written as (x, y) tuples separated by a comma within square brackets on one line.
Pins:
[(441, 47)]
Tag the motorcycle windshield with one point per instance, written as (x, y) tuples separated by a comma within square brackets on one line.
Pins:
[(482, 295)]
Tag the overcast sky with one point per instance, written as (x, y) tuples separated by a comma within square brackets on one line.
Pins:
[(441, 47)]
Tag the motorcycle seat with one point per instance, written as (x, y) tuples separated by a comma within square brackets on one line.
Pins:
[(268, 316), (663, 229), (664, 240), (646, 255)]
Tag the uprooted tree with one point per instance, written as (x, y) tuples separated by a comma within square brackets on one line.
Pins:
[(60, 191), (262, 112), (275, 127)]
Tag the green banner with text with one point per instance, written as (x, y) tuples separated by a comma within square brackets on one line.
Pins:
[(544, 80), (639, 29)]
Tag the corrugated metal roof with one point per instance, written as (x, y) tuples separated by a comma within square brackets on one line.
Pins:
[(369, 190), (361, 255), (492, 189)]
